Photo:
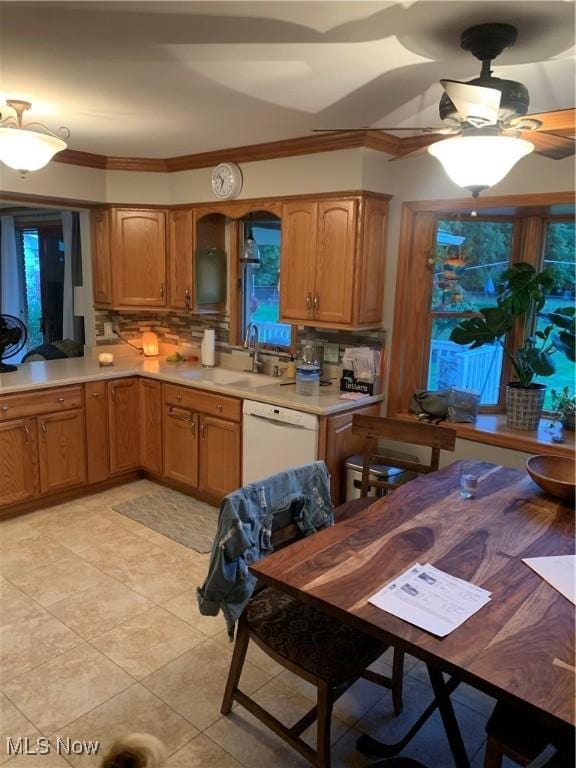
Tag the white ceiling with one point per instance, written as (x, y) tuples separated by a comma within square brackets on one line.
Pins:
[(159, 79)]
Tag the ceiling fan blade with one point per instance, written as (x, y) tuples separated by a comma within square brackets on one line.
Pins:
[(550, 144), (560, 121), (476, 104)]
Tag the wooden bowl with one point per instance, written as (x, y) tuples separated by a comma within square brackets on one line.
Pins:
[(554, 474)]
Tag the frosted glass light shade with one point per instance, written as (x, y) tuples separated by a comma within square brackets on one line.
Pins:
[(26, 150), (477, 162), (150, 344)]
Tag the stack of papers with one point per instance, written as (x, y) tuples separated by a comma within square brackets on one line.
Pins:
[(431, 599)]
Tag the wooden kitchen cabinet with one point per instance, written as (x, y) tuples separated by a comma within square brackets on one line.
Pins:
[(97, 444), (181, 445), (123, 424), (62, 450), (19, 479), (138, 251), (220, 456), (151, 426), (333, 259), (181, 257), (101, 265)]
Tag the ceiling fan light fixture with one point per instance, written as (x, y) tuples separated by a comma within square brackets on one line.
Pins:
[(23, 148), (478, 162)]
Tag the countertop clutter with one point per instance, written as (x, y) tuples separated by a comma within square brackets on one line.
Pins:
[(40, 375)]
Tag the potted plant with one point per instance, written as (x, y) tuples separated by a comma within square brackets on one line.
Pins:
[(564, 405), (521, 295)]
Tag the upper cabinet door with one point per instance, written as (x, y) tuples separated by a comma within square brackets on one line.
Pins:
[(138, 249), (336, 250), (298, 260), (181, 252), (101, 269)]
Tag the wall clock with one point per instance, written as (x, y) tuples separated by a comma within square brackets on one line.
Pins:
[(226, 181)]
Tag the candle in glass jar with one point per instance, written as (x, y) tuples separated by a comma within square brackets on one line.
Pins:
[(106, 358)]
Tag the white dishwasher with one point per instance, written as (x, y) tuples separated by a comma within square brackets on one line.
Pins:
[(275, 439)]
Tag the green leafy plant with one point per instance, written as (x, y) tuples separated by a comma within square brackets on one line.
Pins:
[(563, 401), (520, 294)]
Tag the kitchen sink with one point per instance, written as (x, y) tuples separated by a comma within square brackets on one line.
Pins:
[(221, 376)]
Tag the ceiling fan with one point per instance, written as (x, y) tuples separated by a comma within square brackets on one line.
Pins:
[(478, 114)]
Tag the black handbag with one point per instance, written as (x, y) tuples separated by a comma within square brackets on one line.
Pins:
[(433, 403)]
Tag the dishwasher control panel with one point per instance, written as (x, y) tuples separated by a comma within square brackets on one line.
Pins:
[(279, 414)]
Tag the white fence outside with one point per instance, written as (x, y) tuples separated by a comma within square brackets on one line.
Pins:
[(463, 368)]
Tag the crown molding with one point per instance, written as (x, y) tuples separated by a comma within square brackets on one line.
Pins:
[(271, 150)]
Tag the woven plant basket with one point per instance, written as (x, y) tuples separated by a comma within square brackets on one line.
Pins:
[(524, 405)]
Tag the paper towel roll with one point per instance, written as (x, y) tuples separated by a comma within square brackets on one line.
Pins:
[(208, 348)]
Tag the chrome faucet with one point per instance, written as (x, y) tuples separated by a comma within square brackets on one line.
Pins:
[(252, 332)]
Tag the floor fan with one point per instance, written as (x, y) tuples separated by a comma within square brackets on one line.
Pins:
[(13, 337)]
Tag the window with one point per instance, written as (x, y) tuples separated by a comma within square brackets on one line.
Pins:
[(260, 302), (449, 265), (558, 254), (469, 259)]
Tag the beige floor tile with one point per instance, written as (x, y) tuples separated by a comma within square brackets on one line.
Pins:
[(255, 655), (29, 554), (202, 752), (87, 533), (134, 710), (62, 690), (53, 582), (16, 530), (15, 605), (99, 608), (13, 725), (147, 641), (122, 552), (33, 641), (193, 683), (185, 606), (50, 760), (159, 576)]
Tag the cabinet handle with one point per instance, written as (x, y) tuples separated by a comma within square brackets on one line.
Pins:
[(309, 301), (27, 434), (220, 408), (178, 418), (316, 302), (96, 394), (161, 290), (179, 398), (187, 300), (203, 431), (113, 393), (43, 426), (4, 409), (60, 399)]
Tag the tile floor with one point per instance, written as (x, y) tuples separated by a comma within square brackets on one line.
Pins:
[(100, 634)]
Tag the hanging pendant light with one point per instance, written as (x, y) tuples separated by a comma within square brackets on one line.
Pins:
[(479, 161), (24, 148), (250, 251)]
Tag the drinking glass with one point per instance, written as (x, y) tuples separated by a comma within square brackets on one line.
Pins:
[(468, 480)]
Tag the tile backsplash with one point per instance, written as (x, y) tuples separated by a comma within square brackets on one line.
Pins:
[(187, 330)]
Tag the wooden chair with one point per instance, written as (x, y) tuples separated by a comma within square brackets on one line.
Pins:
[(374, 428), (522, 737), (316, 647)]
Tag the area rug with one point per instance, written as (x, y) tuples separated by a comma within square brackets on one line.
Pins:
[(186, 520)]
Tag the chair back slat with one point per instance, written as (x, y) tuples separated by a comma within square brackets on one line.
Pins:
[(373, 428)]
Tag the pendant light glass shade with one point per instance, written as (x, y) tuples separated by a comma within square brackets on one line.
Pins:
[(478, 162), (250, 251), (26, 150)]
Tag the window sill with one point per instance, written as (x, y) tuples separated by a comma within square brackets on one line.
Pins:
[(490, 428)]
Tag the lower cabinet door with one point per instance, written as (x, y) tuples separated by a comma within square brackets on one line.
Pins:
[(151, 426), (18, 461), (220, 451), (97, 451), (62, 450), (124, 424), (181, 445)]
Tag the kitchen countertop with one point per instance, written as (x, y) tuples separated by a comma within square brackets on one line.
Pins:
[(53, 373)]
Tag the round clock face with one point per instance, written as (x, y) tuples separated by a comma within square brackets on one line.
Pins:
[(226, 180)]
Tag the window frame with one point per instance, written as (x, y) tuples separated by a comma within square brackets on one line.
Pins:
[(414, 282)]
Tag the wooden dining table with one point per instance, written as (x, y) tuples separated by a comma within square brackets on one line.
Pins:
[(518, 648)]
